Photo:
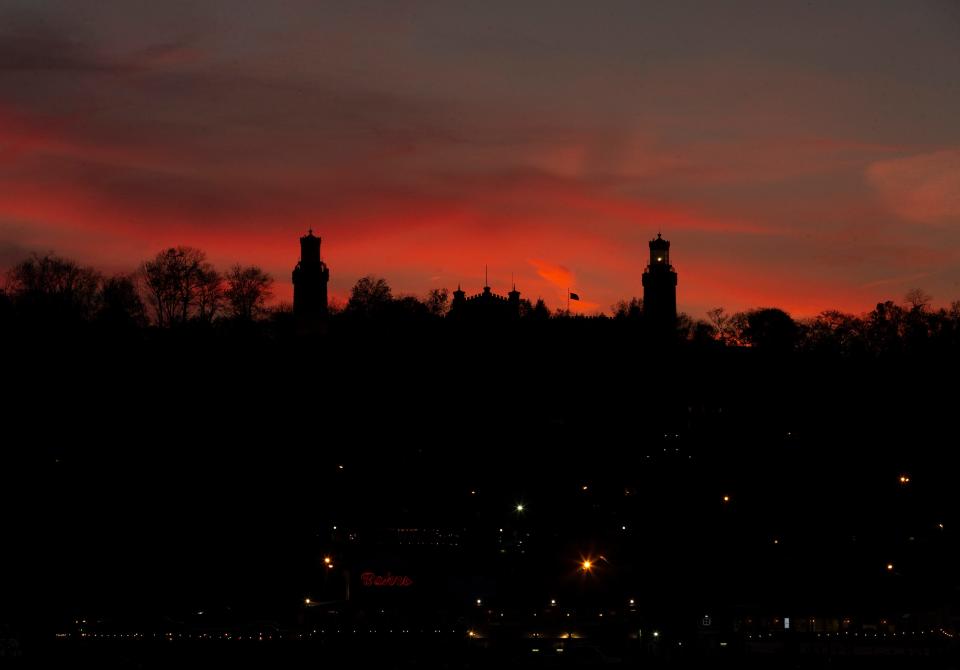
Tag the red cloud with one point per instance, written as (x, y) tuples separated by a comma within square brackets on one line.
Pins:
[(923, 188), (557, 275)]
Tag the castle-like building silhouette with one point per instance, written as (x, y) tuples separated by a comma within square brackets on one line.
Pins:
[(311, 275), (310, 278), (485, 306)]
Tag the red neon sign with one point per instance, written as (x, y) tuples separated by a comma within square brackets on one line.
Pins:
[(373, 579)]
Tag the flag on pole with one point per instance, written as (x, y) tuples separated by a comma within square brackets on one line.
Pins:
[(574, 296)]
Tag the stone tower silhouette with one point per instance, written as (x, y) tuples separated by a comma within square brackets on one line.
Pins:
[(310, 278), (660, 288)]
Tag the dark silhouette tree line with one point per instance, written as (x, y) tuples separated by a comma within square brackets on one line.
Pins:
[(179, 286), (176, 287)]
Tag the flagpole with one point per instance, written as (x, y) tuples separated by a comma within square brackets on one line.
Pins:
[(568, 301)]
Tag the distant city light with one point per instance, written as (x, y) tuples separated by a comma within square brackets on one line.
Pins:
[(631, 601), (586, 565), (327, 560), (306, 601), (889, 567), (553, 602), (904, 479), (520, 507), (584, 487), (479, 602), (726, 499), (656, 633)]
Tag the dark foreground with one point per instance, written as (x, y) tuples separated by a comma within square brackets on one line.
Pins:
[(206, 483), (451, 651)]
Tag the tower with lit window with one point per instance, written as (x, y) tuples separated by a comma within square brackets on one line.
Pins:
[(310, 278), (660, 288)]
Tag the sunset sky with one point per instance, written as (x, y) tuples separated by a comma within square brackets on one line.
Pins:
[(798, 154)]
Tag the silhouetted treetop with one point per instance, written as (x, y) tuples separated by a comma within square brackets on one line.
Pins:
[(369, 297), (768, 329), (247, 293), (120, 305), (54, 288), (628, 309), (438, 301), (917, 299), (182, 285)]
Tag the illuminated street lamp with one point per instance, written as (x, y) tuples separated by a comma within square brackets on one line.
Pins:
[(586, 565), (519, 507)]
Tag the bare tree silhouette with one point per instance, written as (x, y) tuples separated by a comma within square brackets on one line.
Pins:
[(181, 284), (247, 293), (438, 301), (917, 299), (51, 287)]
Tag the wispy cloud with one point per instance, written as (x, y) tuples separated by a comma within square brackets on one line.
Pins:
[(924, 188), (557, 275)]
